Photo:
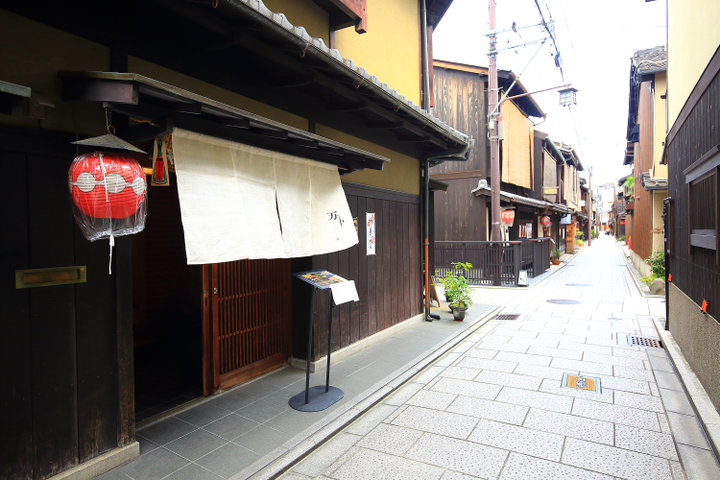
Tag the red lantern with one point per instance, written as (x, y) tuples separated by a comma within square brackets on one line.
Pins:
[(110, 192), (107, 184), (507, 216), (545, 221)]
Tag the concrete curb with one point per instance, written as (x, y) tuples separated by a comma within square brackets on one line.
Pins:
[(705, 410), (296, 449)]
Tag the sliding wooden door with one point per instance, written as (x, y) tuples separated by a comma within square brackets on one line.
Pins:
[(246, 320)]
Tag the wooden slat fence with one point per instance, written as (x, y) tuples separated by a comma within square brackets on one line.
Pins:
[(494, 263)]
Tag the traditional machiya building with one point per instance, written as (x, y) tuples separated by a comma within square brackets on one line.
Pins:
[(692, 209), (645, 135), (266, 149)]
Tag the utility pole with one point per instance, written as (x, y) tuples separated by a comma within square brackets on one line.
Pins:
[(493, 127)]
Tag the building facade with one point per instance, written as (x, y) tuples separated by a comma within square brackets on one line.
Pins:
[(692, 158), (250, 101)]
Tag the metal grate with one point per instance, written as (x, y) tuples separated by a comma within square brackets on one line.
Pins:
[(564, 301), (508, 316), (644, 341)]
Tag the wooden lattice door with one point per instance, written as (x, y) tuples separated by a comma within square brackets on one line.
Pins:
[(246, 318)]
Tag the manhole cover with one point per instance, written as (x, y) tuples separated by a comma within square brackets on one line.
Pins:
[(508, 316), (644, 341), (564, 301), (579, 284), (579, 382)]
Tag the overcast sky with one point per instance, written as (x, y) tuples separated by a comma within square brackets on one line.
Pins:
[(596, 40)]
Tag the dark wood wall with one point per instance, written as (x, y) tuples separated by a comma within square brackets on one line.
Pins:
[(694, 270), (65, 349), (459, 214), (461, 102), (389, 283), (643, 212)]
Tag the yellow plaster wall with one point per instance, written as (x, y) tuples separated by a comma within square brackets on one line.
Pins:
[(693, 37), (304, 13), (660, 115), (31, 54), (516, 147), (401, 173), (657, 222), (393, 28), (143, 67)]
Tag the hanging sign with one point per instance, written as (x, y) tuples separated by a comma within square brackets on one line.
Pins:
[(508, 216), (160, 176), (545, 220), (370, 233)]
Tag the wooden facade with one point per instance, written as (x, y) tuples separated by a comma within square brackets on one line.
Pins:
[(74, 355), (65, 350), (695, 270), (387, 282)]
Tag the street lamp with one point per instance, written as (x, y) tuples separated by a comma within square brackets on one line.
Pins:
[(568, 96)]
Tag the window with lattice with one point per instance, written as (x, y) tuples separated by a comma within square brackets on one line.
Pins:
[(702, 179)]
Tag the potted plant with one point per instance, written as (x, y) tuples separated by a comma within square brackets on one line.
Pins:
[(556, 254), (462, 298), (450, 280)]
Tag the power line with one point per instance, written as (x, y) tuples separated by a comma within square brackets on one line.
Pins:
[(552, 37)]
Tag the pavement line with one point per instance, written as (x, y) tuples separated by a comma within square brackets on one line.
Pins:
[(296, 454)]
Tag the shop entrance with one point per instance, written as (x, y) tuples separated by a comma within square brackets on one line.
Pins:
[(167, 311)]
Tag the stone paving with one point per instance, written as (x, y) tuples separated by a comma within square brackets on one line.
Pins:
[(494, 406)]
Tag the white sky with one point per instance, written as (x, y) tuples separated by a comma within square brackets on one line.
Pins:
[(596, 39)]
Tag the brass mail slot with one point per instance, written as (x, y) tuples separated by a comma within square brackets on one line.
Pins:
[(45, 277)]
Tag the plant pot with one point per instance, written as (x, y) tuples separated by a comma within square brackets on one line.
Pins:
[(458, 313), (555, 261)]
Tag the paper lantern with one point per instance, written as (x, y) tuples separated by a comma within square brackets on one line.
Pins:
[(507, 216), (545, 220), (109, 191)]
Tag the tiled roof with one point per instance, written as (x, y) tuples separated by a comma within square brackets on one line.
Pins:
[(650, 60), (334, 56)]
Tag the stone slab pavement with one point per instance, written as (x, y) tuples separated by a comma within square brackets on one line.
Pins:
[(496, 406)]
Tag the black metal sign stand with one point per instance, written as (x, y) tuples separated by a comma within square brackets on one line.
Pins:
[(320, 397)]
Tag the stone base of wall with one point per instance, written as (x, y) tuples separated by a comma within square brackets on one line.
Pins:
[(698, 336)]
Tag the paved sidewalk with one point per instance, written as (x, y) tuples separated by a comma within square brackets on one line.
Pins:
[(495, 406), (252, 427)]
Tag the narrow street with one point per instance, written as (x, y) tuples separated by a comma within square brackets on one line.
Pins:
[(495, 406)]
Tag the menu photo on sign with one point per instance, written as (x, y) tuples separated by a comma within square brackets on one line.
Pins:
[(343, 290), (370, 233)]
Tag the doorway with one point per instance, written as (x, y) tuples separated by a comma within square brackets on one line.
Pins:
[(167, 311)]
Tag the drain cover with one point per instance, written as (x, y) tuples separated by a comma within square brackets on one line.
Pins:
[(564, 301), (579, 382), (579, 284), (644, 341), (508, 316)]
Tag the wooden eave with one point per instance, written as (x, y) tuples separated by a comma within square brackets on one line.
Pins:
[(241, 46), (158, 107)]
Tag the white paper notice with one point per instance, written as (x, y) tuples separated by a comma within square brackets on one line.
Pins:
[(344, 292), (370, 233)]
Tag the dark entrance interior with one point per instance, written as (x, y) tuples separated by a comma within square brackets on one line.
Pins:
[(167, 311)]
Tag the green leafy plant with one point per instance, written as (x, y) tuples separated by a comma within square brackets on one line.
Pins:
[(557, 253), (648, 279), (455, 284), (580, 243), (461, 293), (621, 238), (657, 264), (629, 185)]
